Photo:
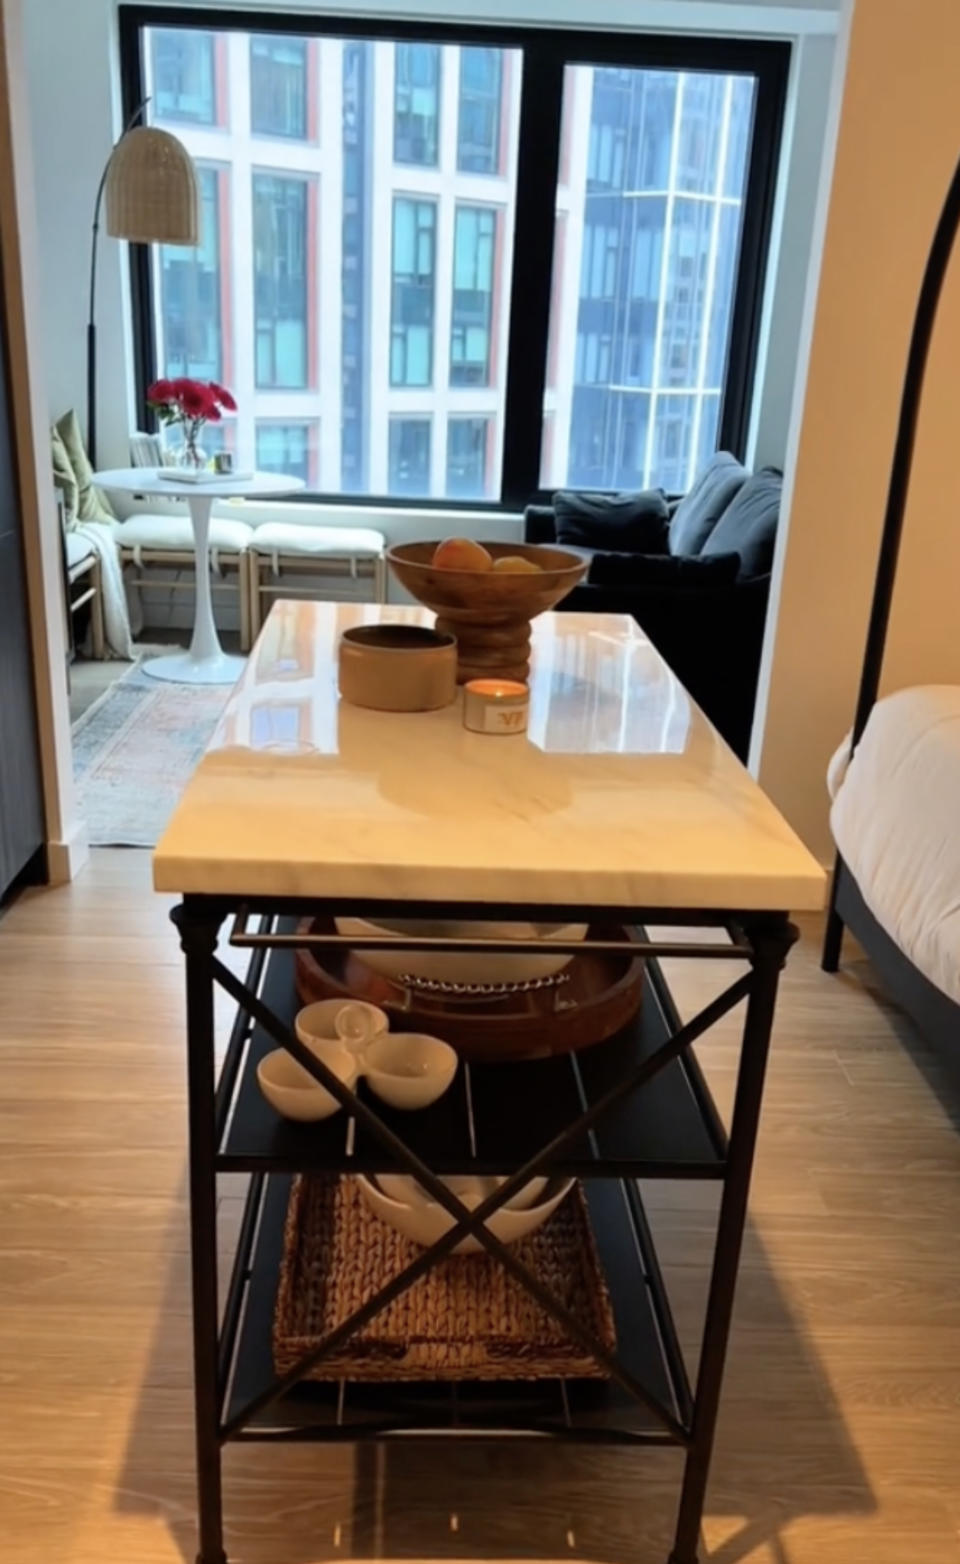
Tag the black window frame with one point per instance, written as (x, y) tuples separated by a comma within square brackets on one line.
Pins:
[(548, 52)]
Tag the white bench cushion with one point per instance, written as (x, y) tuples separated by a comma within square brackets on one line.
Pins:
[(79, 548), (279, 537), (175, 533)]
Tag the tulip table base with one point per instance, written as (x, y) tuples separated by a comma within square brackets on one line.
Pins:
[(186, 668)]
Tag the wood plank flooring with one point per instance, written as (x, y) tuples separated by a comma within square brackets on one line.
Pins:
[(839, 1440)]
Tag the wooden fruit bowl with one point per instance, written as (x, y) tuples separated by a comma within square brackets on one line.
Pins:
[(489, 612)]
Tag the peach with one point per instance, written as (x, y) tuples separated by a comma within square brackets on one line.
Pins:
[(461, 554), (516, 565)]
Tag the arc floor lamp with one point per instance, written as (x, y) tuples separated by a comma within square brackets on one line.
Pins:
[(150, 186), (935, 273)]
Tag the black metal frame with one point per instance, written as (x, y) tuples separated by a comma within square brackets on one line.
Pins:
[(549, 51), (934, 276), (761, 941)]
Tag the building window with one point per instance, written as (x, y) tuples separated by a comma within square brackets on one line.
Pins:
[(191, 330), (416, 103), (409, 456), (367, 275), (280, 245), (478, 123), (472, 305), (278, 86), (184, 76), (467, 458), (414, 269), (661, 222), (289, 448)]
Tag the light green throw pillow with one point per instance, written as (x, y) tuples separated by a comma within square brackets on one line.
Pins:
[(63, 474), (92, 504)]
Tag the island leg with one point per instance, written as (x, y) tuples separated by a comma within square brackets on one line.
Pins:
[(771, 940), (198, 938)]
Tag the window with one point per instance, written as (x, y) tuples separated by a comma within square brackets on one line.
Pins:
[(184, 80), (287, 448), (473, 247), (662, 217), (278, 87), (499, 263), (478, 124), (191, 332), (409, 456), (416, 103), (280, 268), (414, 267), (467, 458)]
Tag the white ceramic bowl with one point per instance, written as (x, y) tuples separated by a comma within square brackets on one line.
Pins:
[(425, 1221), (468, 967), (288, 1087), (408, 1069), (317, 1023), (403, 1187)]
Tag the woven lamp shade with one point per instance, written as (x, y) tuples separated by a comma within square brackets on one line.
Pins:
[(151, 189)]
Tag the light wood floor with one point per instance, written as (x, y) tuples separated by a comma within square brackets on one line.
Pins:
[(839, 1441)]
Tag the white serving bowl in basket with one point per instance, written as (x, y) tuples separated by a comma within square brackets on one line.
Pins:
[(423, 1221), (466, 968)]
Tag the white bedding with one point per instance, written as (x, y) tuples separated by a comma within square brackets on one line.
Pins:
[(896, 822)]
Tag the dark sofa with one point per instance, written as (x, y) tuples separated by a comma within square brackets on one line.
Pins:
[(694, 574)]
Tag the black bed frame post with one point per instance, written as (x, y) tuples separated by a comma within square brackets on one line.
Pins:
[(938, 262), (771, 940), (198, 923)]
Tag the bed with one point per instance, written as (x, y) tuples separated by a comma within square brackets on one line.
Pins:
[(896, 823), (895, 783)]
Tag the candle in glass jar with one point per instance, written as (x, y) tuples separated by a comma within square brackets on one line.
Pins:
[(495, 706)]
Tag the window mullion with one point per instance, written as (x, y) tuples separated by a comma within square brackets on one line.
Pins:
[(541, 109)]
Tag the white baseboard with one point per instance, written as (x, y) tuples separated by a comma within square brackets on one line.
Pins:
[(65, 859)]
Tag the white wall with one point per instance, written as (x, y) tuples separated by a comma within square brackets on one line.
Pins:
[(896, 151)]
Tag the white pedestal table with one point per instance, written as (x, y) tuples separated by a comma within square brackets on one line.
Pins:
[(205, 662)]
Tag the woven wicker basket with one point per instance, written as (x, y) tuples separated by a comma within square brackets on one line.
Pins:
[(467, 1318)]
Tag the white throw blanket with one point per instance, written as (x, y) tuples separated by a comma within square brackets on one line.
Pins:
[(116, 615)]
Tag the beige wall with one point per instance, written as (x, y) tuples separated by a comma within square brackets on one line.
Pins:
[(899, 137)]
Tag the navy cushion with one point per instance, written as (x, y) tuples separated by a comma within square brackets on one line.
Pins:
[(654, 572), (749, 524), (624, 522), (699, 511)]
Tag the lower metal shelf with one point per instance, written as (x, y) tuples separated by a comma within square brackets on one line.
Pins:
[(562, 1409)]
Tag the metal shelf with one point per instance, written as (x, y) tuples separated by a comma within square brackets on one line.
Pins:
[(496, 1116), (585, 1410)]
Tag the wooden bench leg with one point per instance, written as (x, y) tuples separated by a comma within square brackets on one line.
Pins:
[(254, 616), (243, 587), (97, 637)]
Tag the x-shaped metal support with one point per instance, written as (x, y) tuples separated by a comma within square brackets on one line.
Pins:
[(466, 1221)]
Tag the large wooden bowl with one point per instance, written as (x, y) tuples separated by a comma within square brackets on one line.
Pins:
[(489, 612)]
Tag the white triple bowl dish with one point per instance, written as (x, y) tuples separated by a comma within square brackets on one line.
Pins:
[(408, 1070), (467, 968)]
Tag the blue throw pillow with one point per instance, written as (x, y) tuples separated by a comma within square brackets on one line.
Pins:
[(627, 522), (749, 524), (699, 511)]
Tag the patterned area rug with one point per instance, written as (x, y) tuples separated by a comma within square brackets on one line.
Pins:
[(134, 751)]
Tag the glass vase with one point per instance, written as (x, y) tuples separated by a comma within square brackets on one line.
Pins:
[(189, 453)]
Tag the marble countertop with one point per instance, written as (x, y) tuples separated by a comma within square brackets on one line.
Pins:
[(620, 794)]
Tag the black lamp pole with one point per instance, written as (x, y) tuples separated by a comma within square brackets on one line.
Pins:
[(934, 276), (91, 311)]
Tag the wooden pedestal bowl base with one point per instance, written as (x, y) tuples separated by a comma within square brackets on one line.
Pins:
[(600, 994), (486, 651), (489, 612)]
